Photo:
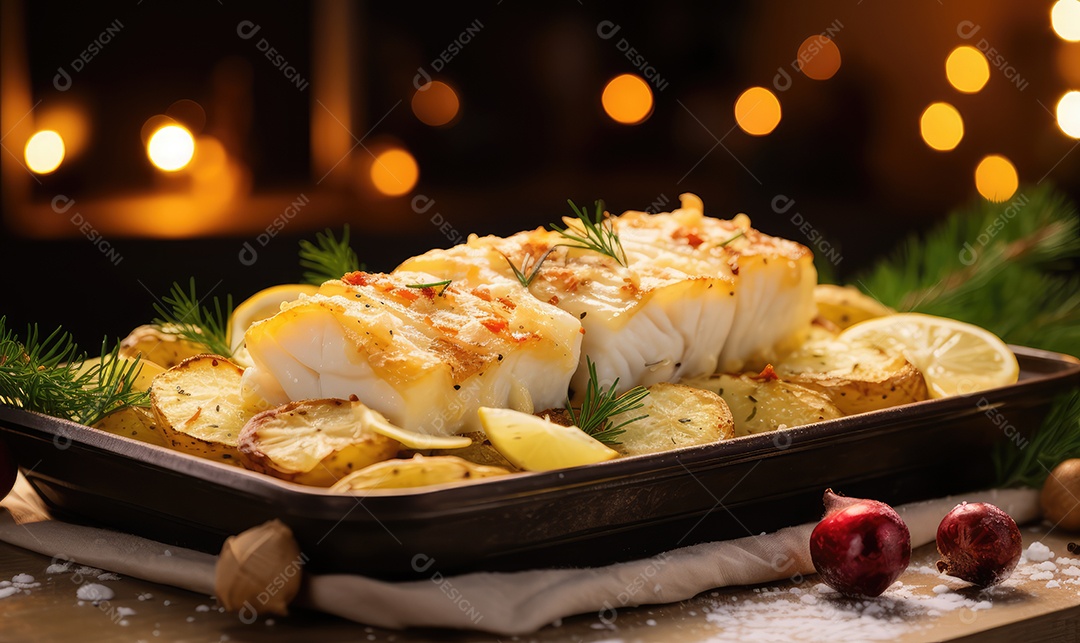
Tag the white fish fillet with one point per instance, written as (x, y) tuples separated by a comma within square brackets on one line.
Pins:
[(697, 295), (425, 360)]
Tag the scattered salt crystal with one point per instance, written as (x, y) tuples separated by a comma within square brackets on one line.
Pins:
[(94, 592), (190, 619), (1072, 570), (5, 583), (108, 576), (1046, 566), (941, 589), (897, 585), (691, 613), (22, 578), (81, 603), (168, 553), (123, 622), (933, 613), (1065, 560), (1042, 576), (982, 605), (202, 608), (714, 594), (809, 599), (145, 597), (124, 611), (822, 588), (650, 622), (656, 588), (167, 602), (83, 570), (58, 568), (795, 590), (598, 626), (8, 591), (734, 599), (1038, 552), (1052, 584)]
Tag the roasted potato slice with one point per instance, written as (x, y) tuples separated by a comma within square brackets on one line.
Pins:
[(856, 377), (678, 416), (419, 471), (846, 306), (198, 407), (315, 442), (132, 422), (164, 349), (763, 402)]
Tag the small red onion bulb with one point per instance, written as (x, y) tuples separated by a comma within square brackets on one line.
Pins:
[(861, 546), (978, 543)]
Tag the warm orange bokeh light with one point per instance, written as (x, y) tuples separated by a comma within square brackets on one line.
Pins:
[(1068, 114), (44, 152), (967, 69), (627, 99), (996, 178), (171, 148), (941, 126), (757, 111), (819, 57), (436, 104), (394, 172), (1065, 19)]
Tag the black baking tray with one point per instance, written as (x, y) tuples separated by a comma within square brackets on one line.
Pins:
[(583, 516)]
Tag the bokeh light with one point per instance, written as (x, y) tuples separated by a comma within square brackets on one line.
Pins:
[(819, 57), (436, 104), (171, 148), (394, 172), (967, 69), (996, 178), (44, 152), (1065, 18), (1068, 114), (941, 126), (757, 111), (627, 99)]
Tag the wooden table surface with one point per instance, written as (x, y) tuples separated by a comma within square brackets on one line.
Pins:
[(1024, 609)]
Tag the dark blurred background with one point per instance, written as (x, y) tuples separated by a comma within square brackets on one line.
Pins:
[(418, 124)]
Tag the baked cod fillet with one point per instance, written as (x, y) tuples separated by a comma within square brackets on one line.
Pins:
[(696, 295), (426, 358)]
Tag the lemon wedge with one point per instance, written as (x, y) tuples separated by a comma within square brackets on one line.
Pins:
[(535, 444), (263, 304), (955, 358)]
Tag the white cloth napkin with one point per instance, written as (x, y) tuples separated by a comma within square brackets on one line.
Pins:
[(500, 603)]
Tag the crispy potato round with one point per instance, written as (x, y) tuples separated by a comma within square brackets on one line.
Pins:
[(198, 407), (419, 471), (314, 442), (132, 422), (846, 306), (164, 349), (856, 377), (479, 452), (678, 416), (762, 403)]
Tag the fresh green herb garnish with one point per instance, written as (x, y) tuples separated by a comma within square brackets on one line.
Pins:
[(534, 269), (435, 284), (184, 315), (1027, 464), (328, 258), (741, 233), (599, 406), (48, 375), (597, 233)]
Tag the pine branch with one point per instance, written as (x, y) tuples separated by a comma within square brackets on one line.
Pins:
[(328, 258), (1057, 440)]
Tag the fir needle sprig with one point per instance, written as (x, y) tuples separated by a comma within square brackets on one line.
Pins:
[(182, 314), (50, 375), (1057, 439), (597, 233), (599, 406), (328, 258)]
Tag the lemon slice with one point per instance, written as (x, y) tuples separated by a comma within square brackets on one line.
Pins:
[(955, 358), (535, 444), (263, 304), (411, 439)]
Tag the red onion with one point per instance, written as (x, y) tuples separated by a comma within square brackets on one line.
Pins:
[(861, 546), (978, 543)]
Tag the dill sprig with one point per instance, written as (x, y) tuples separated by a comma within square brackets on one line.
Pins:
[(1057, 440), (533, 269), (444, 284), (50, 375), (596, 233), (184, 315), (1008, 267), (599, 406), (328, 258)]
